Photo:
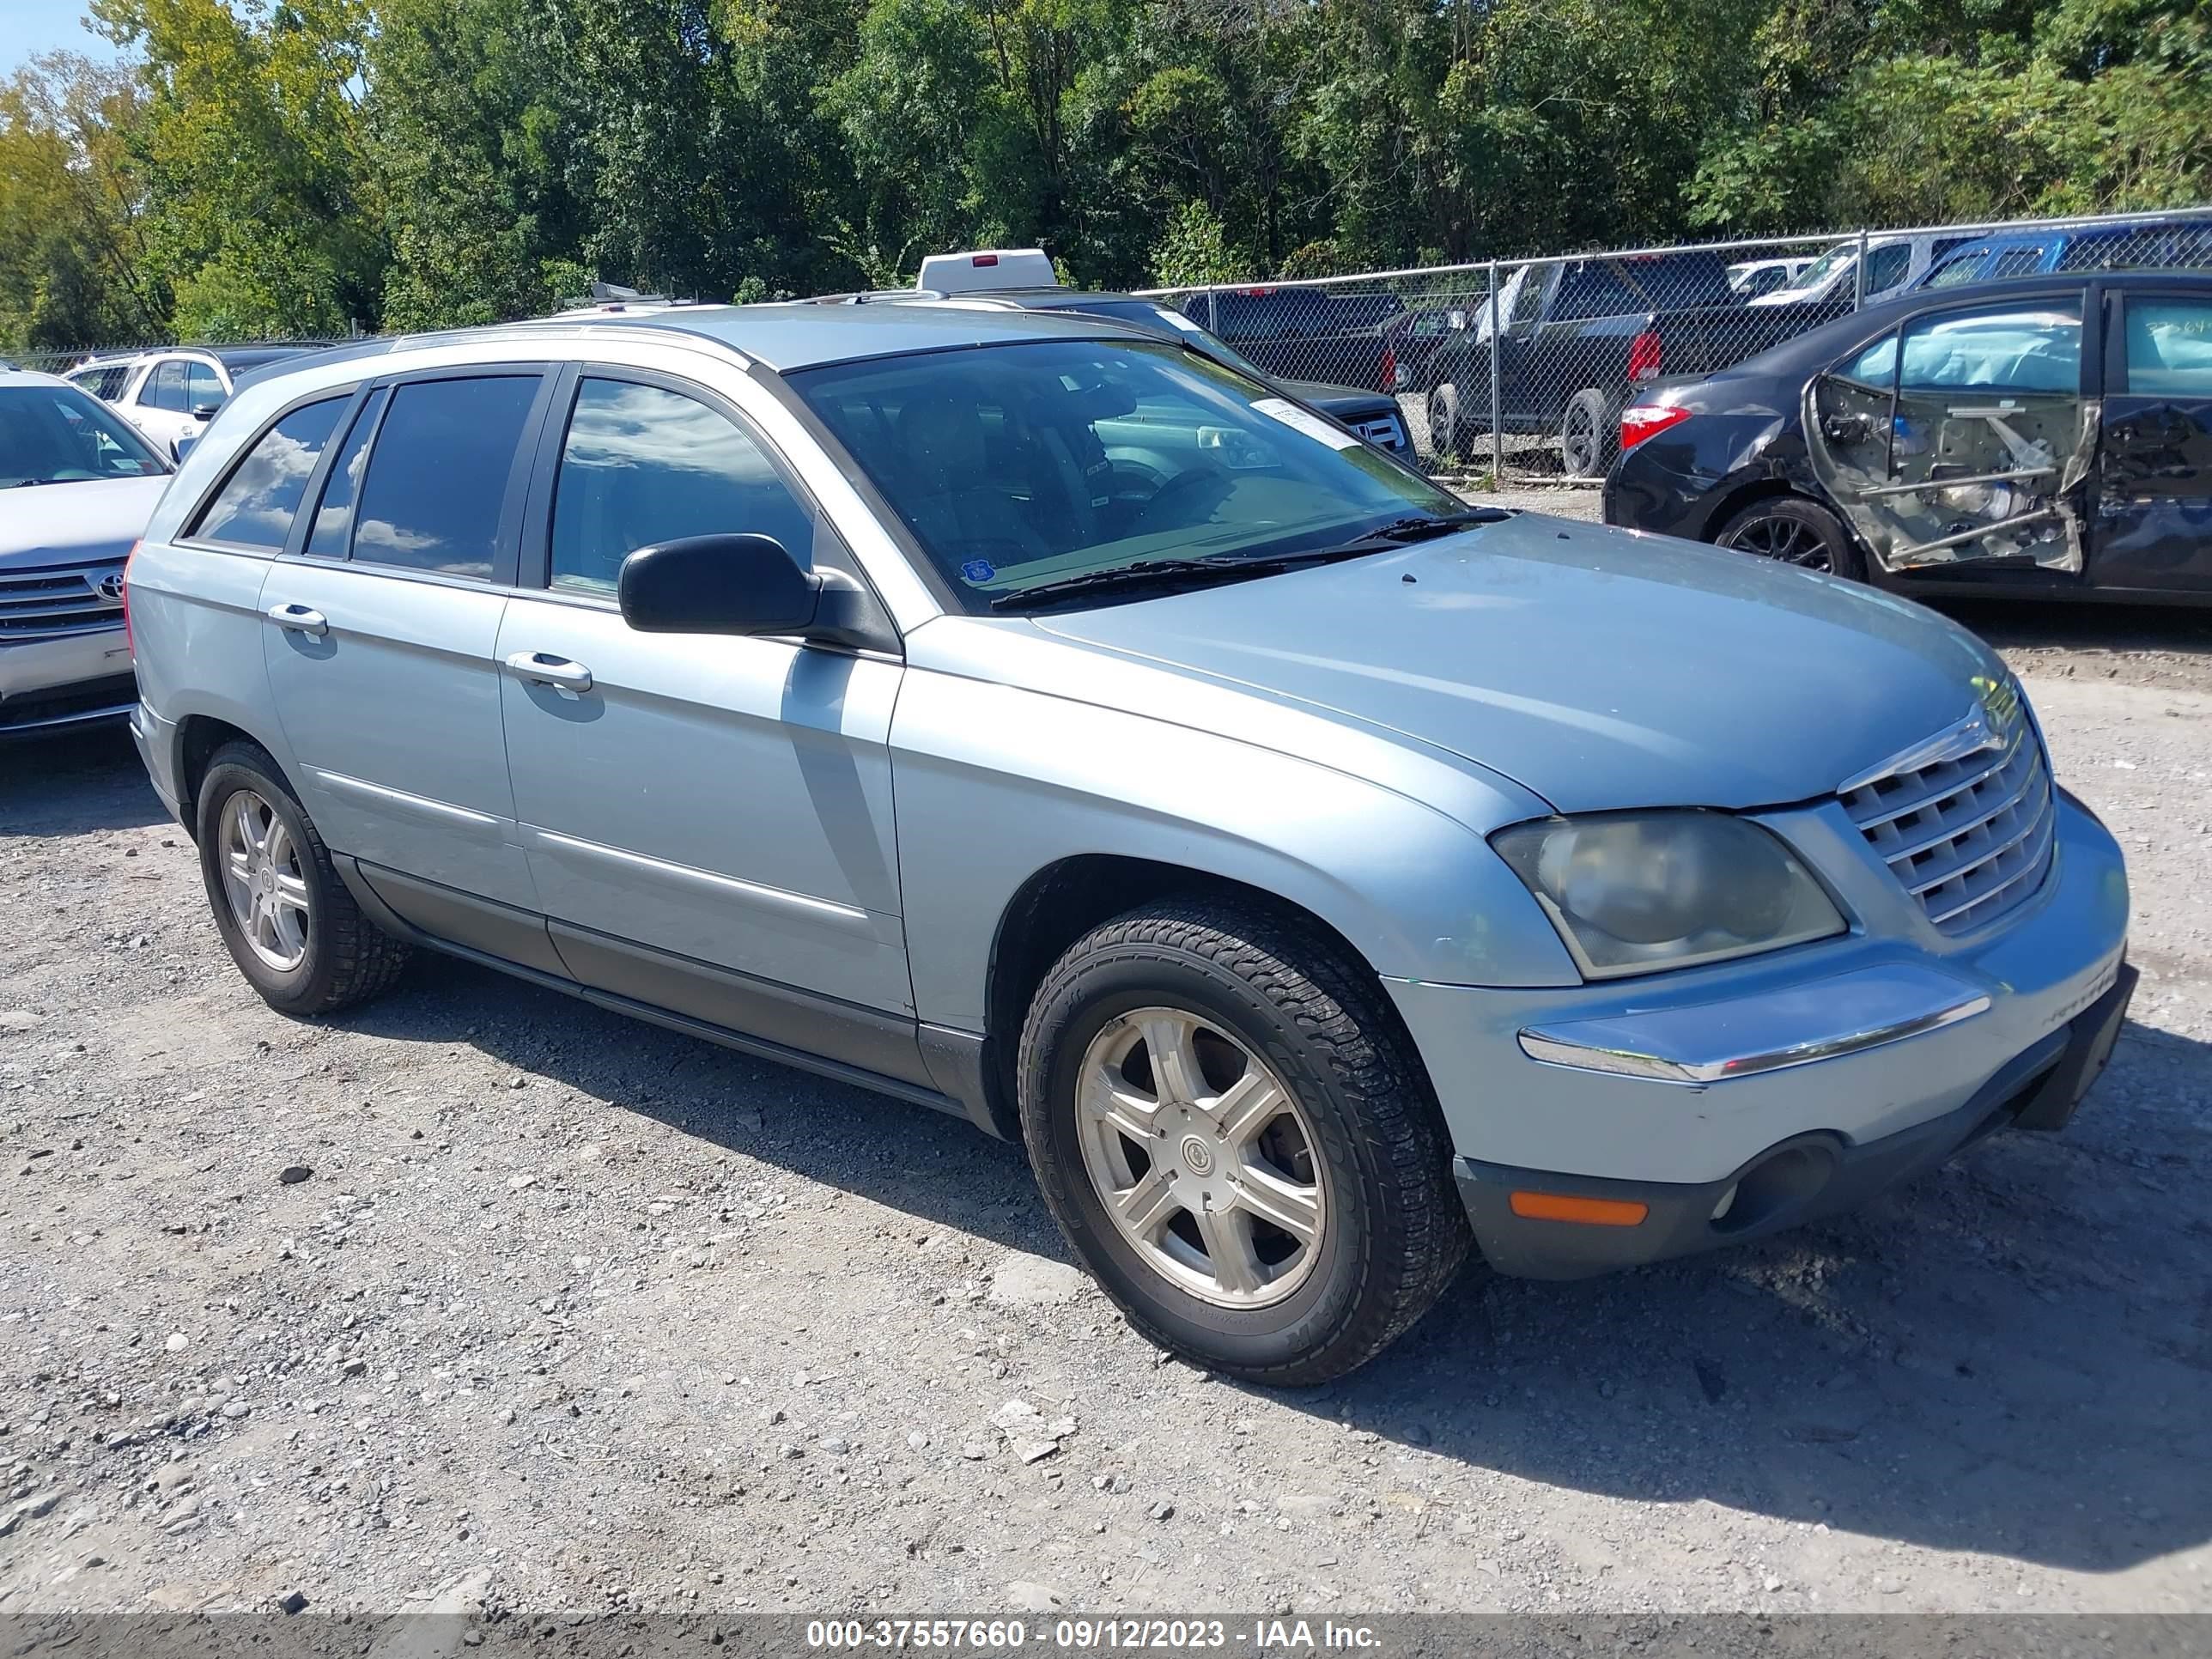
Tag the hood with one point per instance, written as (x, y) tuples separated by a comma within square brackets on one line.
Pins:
[(76, 523), (1597, 668)]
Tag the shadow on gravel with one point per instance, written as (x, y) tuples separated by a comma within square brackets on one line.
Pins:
[(75, 783), (935, 1167), (2023, 624), (2012, 1358)]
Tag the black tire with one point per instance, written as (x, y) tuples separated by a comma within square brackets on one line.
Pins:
[(348, 958), (1794, 530), (1450, 438), (1395, 1232), (1587, 435)]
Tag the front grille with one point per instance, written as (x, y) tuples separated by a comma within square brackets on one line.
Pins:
[(1387, 432), (1969, 837), (57, 602)]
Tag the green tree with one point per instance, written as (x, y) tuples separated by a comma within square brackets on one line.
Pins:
[(73, 268)]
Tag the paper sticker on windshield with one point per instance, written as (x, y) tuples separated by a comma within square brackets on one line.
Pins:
[(1301, 420), (1175, 318), (979, 571)]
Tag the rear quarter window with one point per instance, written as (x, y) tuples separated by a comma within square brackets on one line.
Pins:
[(256, 503)]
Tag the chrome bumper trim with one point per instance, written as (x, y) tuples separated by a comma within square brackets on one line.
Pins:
[(47, 725), (1714, 1042)]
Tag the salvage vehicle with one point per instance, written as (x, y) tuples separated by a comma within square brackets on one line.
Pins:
[(1030, 717), (1023, 279), (1580, 337), (2048, 436), (76, 486)]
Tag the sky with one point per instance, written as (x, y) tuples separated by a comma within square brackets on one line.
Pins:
[(30, 27)]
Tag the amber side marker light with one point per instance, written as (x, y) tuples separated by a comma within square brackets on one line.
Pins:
[(1591, 1212)]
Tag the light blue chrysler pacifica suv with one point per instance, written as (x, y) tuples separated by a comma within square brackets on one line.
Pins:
[(1040, 721)]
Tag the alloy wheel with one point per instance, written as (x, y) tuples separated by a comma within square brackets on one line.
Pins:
[(264, 881), (1204, 1162), (1777, 536)]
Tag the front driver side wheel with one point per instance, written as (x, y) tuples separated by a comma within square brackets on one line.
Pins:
[(1235, 1135)]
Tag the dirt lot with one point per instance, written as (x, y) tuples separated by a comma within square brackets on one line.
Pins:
[(572, 1313)]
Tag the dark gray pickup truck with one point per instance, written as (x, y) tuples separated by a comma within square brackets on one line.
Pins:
[(1582, 338)]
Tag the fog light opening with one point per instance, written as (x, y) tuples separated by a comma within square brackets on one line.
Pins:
[(1784, 1181)]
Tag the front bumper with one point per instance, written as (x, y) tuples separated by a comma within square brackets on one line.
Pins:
[(1648, 1097), (1803, 1179), (49, 685)]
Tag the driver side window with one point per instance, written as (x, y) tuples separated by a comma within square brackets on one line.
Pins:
[(643, 465)]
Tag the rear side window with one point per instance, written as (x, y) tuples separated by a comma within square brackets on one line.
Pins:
[(2026, 348), (254, 507), (202, 387), (2017, 261), (165, 387), (437, 478), (2169, 343), (334, 515), (1595, 288), (1885, 266), (643, 465)]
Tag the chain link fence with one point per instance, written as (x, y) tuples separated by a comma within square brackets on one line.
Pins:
[(1520, 368)]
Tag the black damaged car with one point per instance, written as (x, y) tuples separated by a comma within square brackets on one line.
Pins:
[(2047, 436)]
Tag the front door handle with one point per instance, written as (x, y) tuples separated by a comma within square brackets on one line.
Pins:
[(299, 619), (542, 668)]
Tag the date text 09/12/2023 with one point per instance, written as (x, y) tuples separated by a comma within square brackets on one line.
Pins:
[(1105, 1634)]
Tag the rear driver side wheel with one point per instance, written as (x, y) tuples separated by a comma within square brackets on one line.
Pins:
[(285, 916), (1450, 437), (1794, 530), (1586, 434)]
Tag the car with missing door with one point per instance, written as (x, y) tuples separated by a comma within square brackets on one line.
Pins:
[(1030, 717), (2045, 437), (77, 483)]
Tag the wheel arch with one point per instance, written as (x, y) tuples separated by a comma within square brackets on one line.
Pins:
[(198, 738), (1060, 902)]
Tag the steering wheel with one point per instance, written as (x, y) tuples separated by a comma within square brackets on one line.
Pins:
[(1182, 484)]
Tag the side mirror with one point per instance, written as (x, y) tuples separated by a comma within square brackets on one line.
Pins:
[(738, 584), (182, 448), (205, 411)]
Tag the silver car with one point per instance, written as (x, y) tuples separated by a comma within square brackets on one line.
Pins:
[(77, 483), (1034, 719)]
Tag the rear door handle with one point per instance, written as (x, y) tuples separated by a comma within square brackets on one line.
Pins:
[(542, 668), (299, 619)]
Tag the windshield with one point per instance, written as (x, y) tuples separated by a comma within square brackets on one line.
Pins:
[(1816, 275), (1018, 465), (56, 434)]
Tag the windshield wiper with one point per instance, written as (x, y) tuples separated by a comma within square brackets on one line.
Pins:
[(1435, 523), (1177, 573)]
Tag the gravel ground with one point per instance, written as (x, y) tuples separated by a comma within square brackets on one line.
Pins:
[(482, 1295)]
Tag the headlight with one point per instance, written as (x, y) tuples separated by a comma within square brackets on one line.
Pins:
[(1634, 893)]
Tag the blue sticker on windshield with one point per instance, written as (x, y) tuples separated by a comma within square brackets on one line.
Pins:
[(979, 571)]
